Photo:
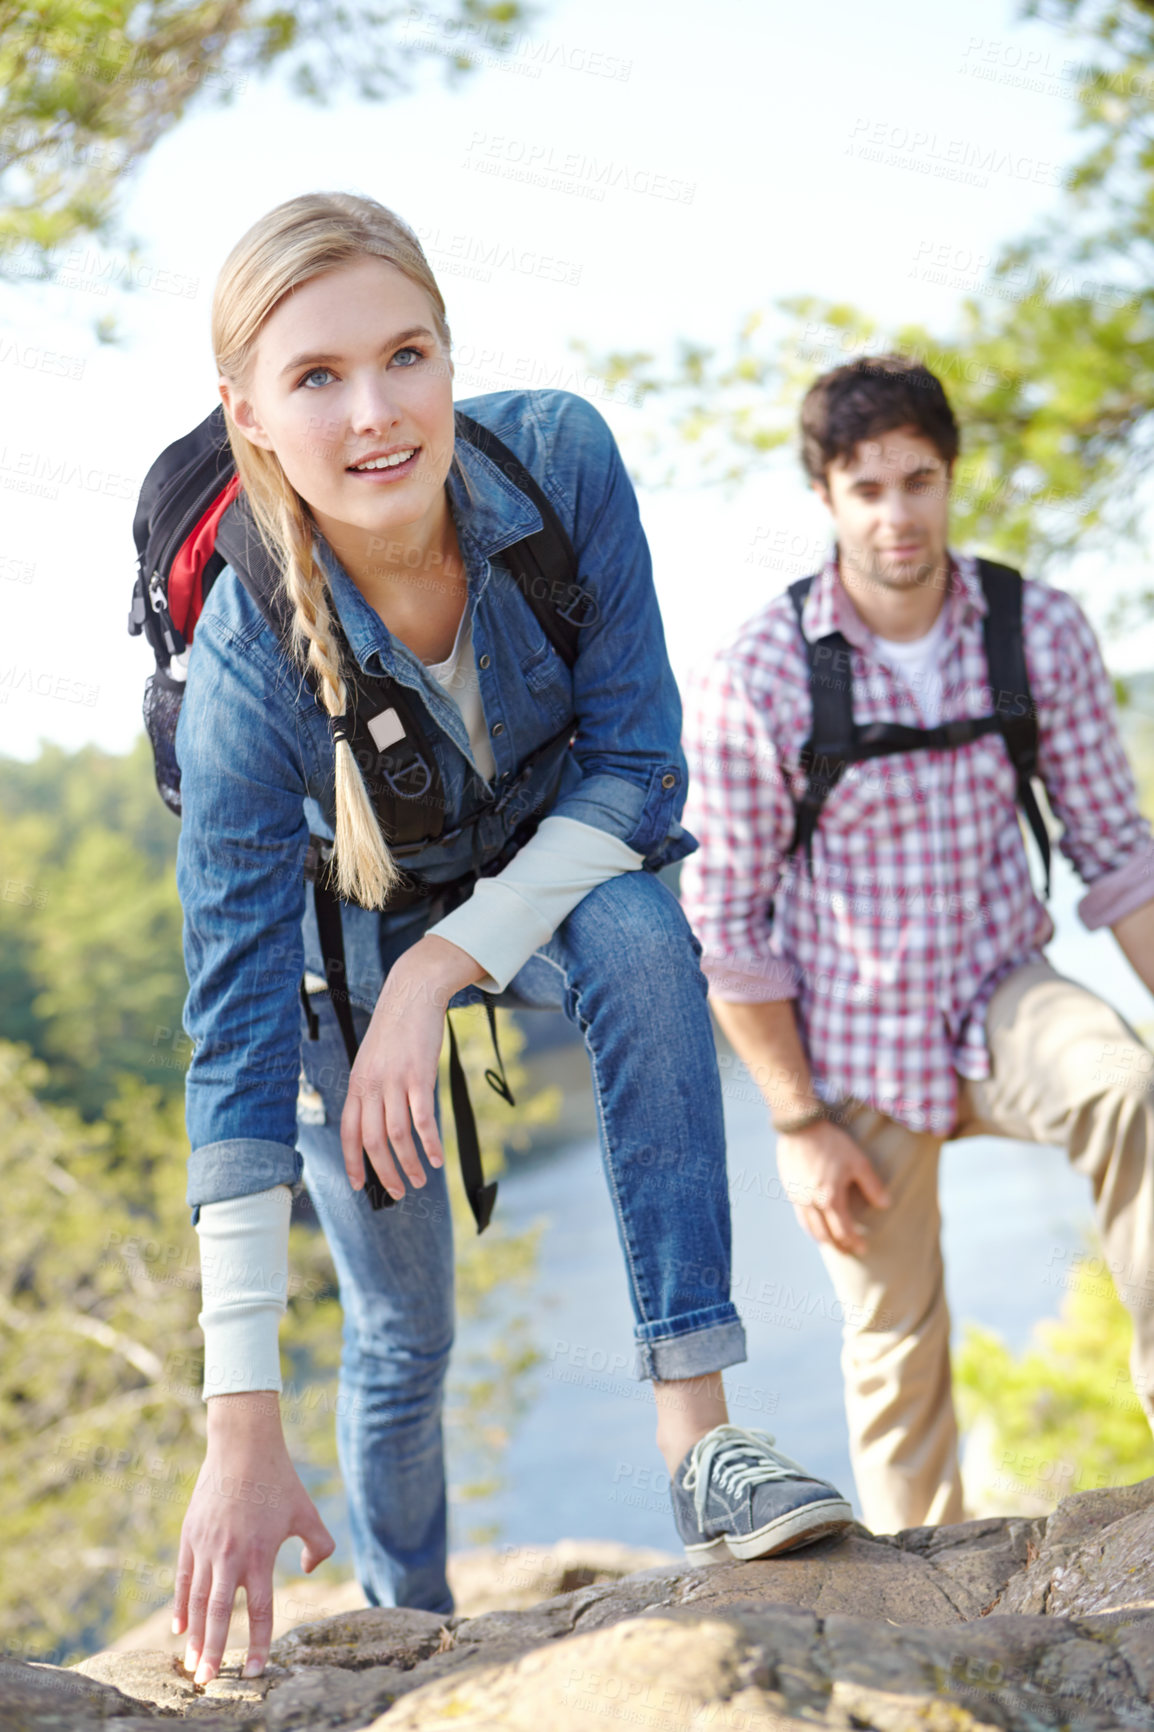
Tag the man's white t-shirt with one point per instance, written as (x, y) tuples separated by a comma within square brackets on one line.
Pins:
[(919, 663)]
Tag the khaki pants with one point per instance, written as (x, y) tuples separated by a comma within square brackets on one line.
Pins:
[(1065, 1069)]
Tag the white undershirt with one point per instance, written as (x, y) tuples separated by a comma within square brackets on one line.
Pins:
[(244, 1286), (458, 675), (918, 662)]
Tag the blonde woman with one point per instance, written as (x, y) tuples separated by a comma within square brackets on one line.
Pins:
[(392, 537)]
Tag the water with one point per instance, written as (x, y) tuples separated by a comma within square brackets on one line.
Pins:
[(582, 1463)]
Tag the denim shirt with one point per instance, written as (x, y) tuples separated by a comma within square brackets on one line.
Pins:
[(256, 761)]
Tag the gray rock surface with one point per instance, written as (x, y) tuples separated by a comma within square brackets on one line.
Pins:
[(501, 1578), (752, 1667), (1098, 1556), (47, 1697), (484, 1579), (1019, 1624)]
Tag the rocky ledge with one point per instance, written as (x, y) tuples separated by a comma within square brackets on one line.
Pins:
[(1010, 1623)]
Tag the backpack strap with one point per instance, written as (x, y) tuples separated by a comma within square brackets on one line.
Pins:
[(829, 747), (402, 776), (835, 740), (332, 941), (543, 564), (481, 1196), (1015, 714)]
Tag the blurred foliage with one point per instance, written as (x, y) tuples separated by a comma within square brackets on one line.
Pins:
[(1063, 1417), (90, 958), (87, 87), (101, 1419), (1050, 367), (101, 1357), (98, 1300)]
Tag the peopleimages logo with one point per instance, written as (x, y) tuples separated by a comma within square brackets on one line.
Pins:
[(479, 256), (570, 171), (44, 683), (490, 43), (33, 359), (924, 151), (38, 473)]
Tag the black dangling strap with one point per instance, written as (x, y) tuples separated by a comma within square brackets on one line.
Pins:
[(333, 951), (481, 1196), (805, 816), (311, 1017), (1028, 801), (498, 1083)]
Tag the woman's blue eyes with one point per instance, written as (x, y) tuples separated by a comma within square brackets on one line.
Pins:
[(325, 373)]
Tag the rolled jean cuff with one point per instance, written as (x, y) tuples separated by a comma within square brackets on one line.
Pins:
[(704, 1341), (239, 1167)]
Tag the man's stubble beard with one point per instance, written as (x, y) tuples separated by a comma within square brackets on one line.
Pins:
[(930, 573)]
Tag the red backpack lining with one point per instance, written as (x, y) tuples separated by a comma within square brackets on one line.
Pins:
[(186, 578)]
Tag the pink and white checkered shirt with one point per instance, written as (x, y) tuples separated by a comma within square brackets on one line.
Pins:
[(921, 898)]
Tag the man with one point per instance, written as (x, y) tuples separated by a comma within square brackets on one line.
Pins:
[(885, 980)]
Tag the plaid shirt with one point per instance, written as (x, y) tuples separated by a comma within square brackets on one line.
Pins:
[(921, 898)]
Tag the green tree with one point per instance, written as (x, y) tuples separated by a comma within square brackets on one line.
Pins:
[(1064, 1416), (90, 956), (98, 1304), (101, 1418), (1050, 365), (87, 87)]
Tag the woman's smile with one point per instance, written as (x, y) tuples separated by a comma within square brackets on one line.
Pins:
[(390, 465)]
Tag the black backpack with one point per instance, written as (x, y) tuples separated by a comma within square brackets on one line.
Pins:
[(836, 740), (192, 519)]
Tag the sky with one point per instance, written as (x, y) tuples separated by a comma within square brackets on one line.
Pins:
[(630, 176)]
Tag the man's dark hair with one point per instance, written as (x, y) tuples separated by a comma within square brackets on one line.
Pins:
[(871, 396)]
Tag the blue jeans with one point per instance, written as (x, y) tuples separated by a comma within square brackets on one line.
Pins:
[(624, 969)]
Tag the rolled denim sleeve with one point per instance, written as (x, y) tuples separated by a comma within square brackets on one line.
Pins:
[(240, 877), (628, 740)]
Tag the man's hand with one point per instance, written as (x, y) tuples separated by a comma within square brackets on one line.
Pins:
[(391, 1088), (821, 1168), (247, 1501)]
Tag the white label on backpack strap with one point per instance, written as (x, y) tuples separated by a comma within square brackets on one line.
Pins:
[(386, 729)]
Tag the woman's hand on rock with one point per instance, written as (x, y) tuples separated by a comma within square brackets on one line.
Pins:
[(247, 1501), (392, 1084)]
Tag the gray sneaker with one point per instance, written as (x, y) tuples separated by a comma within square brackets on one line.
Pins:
[(735, 1496)]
